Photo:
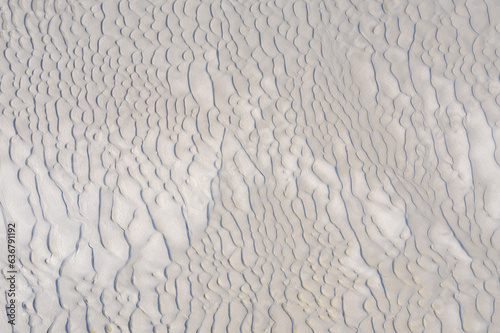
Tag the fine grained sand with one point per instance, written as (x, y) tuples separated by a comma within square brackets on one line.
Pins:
[(266, 166)]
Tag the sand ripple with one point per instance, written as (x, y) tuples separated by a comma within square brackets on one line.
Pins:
[(284, 166)]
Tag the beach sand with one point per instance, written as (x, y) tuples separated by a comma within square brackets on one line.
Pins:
[(251, 166)]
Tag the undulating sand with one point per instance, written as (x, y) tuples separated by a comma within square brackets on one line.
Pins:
[(251, 166)]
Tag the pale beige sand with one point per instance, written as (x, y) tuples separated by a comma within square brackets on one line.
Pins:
[(265, 166)]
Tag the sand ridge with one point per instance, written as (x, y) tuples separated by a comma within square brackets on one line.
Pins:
[(267, 166)]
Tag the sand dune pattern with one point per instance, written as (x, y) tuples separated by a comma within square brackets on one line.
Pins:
[(266, 166)]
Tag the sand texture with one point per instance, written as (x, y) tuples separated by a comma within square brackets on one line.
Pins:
[(251, 166)]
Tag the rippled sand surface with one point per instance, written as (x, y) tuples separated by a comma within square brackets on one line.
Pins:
[(252, 166)]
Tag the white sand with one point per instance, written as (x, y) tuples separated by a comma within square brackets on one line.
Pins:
[(266, 166)]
